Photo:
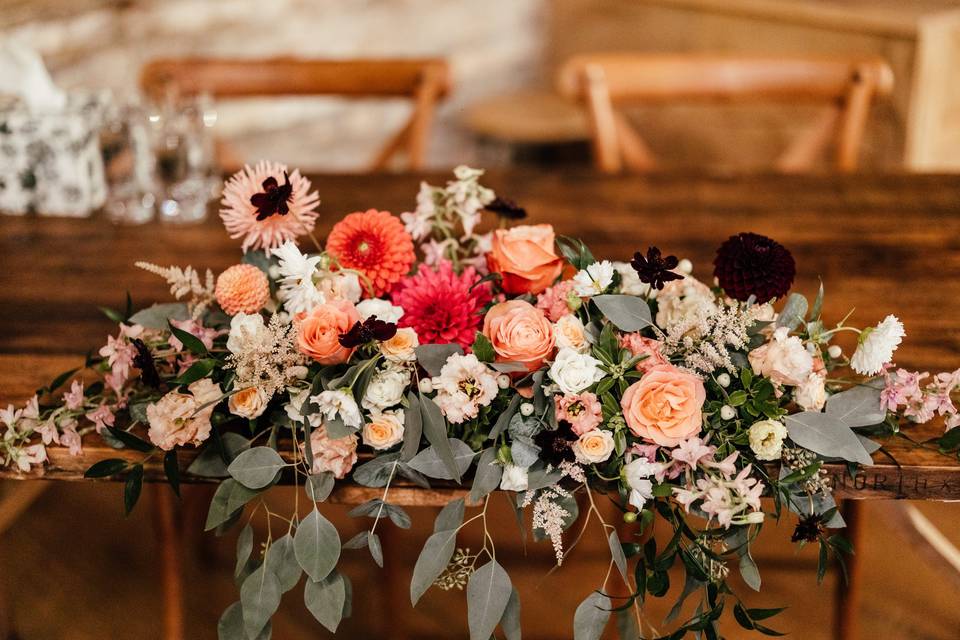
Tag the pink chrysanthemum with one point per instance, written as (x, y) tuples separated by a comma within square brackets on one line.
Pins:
[(440, 305), (266, 206)]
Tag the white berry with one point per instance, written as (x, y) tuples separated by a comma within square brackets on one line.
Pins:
[(426, 385), (723, 380), (503, 381), (727, 412), (835, 351), (526, 409)]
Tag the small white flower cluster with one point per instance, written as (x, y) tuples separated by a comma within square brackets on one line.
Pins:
[(263, 356), (706, 337), (730, 500), (186, 282), (549, 515), (14, 444)]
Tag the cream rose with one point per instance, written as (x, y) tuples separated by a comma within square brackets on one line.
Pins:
[(248, 403), (573, 372), (665, 405), (766, 439), (386, 389), (384, 430), (401, 347), (569, 331), (783, 359), (594, 446)]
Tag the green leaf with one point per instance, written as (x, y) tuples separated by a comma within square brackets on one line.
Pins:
[(319, 486), (116, 316), (199, 369), (171, 469), (504, 419), (229, 497), (737, 398), (748, 570), (575, 251), (132, 488), (435, 428), (628, 313), (433, 559), (317, 545), (131, 441), (210, 462), (259, 597), (62, 378), (793, 312), (191, 343), (627, 627), (510, 621), (230, 626), (488, 592), (857, 407), (159, 316), (376, 472), (412, 428), (483, 349), (432, 357), (106, 468), (256, 468), (763, 614), (826, 435), (325, 600), (433, 463), (376, 550), (822, 562), (742, 617), (487, 476), (450, 517), (616, 551), (591, 617), (244, 548)]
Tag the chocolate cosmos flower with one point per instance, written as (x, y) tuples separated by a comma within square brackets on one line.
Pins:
[(808, 529), (274, 198), (367, 331), (507, 209), (654, 269), (144, 361), (556, 446)]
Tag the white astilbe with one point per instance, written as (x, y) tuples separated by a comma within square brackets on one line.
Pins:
[(549, 515), (186, 282), (271, 362), (706, 338)]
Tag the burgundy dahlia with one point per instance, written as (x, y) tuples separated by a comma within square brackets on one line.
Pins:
[(749, 264)]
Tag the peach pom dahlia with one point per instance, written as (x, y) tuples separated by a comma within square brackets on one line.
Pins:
[(266, 206), (243, 288), (375, 244)]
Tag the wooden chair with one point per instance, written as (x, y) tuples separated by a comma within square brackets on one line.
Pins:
[(605, 82), (424, 81)]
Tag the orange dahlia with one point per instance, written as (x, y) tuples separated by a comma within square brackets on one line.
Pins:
[(243, 288), (375, 244)]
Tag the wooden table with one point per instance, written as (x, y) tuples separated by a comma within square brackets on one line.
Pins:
[(882, 244)]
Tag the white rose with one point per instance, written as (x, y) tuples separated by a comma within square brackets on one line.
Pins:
[(570, 332), (637, 474), (766, 439), (573, 372), (382, 309), (812, 394), (783, 359), (247, 331), (386, 389), (384, 430), (514, 478), (248, 403), (594, 446)]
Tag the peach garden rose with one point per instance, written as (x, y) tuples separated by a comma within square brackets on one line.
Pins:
[(525, 257), (519, 332), (664, 406), (318, 332)]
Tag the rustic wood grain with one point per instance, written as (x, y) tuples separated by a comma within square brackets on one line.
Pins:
[(881, 244)]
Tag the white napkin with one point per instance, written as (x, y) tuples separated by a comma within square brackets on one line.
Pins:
[(23, 74)]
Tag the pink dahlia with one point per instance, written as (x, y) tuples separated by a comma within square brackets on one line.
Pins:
[(266, 206), (440, 305)]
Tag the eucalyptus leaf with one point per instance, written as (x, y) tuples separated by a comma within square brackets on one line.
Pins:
[(244, 548), (504, 419), (540, 478), (591, 617), (433, 559), (358, 541), (282, 560), (209, 463), (412, 428), (317, 545), (430, 463), (325, 600), (487, 476), (507, 367), (450, 517), (748, 570), (256, 468), (159, 315), (627, 627), (510, 622), (826, 435), (857, 407), (435, 428), (229, 498), (432, 357), (319, 486), (230, 626), (376, 550), (627, 313), (793, 312), (376, 472), (616, 552), (259, 597), (524, 452), (488, 592)]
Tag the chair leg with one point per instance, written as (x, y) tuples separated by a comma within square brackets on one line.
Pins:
[(169, 538), (848, 595)]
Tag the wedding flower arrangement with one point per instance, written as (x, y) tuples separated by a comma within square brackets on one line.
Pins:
[(425, 349)]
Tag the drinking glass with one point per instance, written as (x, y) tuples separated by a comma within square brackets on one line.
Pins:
[(128, 164)]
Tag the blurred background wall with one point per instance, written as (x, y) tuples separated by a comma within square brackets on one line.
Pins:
[(498, 47)]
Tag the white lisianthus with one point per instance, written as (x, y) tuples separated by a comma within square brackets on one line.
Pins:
[(593, 280), (569, 331), (384, 430), (514, 478), (386, 388), (812, 394), (248, 403), (594, 446), (247, 333), (783, 359), (637, 474), (295, 273), (382, 309), (630, 283), (464, 385), (573, 372), (766, 439), (339, 402), (876, 346)]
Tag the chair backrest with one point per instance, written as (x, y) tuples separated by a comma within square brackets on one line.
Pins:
[(424, 81), (605, 82)]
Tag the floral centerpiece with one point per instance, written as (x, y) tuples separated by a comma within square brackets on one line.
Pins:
[(509, 359)]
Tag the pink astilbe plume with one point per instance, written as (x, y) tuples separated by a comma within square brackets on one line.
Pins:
[(440, 305), (290, 212)]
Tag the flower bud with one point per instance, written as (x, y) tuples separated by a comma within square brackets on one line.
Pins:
[(629, 517), (685, 266), (835, 351), (723, 380), (727, 412), (526, 409), (503, 381)]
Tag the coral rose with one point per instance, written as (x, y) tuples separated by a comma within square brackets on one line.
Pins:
[(318, 333), (519, 332), (664, 406), (525, 257)]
